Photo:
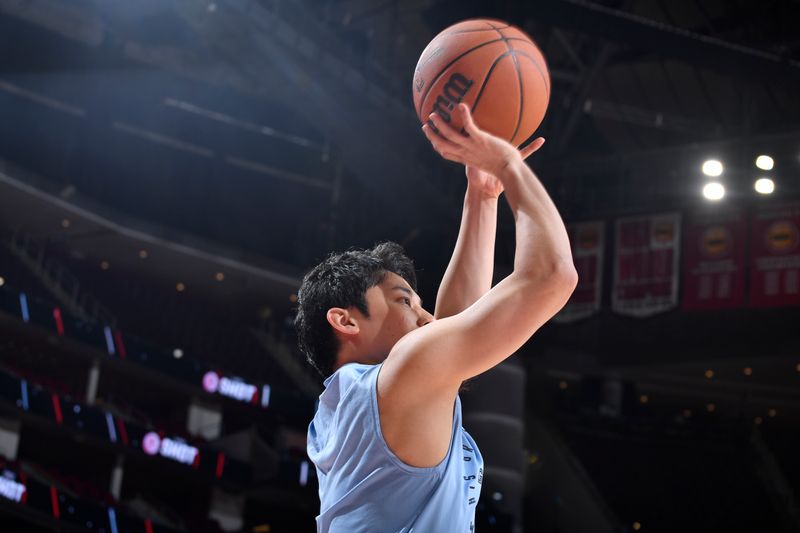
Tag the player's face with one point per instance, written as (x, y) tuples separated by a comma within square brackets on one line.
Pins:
[(394, 310)]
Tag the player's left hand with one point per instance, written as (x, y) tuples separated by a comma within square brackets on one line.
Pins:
[(487, 184)]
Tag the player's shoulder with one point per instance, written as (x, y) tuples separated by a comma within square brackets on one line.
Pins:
[(348, 372), (339, 384)]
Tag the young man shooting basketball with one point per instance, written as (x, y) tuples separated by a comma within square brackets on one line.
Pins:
[(387, 440)]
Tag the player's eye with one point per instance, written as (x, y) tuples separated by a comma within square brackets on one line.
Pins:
[(407, 301)]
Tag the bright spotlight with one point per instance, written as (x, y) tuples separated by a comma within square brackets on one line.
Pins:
[(714, 191), (712, 168), (765, 162), (764, 186)]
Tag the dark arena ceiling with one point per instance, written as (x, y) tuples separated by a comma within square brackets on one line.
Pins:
[(276, 131), (286, 128)]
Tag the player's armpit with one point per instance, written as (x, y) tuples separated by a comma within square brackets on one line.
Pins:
[(443, 354)]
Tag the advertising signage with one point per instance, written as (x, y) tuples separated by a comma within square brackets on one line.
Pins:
[(236, 389)]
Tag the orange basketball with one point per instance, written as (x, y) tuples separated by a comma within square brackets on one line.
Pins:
[(494, 68)]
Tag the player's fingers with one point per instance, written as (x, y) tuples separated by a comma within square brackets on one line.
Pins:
[(440, 144), (446, 130), (532, 147), (452, 157), (466, 119)]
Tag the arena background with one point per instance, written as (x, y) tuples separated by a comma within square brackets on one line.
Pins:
[(169, 170)]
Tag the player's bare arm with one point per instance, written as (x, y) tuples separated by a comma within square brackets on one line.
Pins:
[(420, 378), (469, 273)]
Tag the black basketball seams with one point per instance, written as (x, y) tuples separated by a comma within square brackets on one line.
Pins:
[(447, 66), (521, 94), (502, 36), (486, 79), (538, 68), (477, 29), (521, 89), (533, 59), (519, 78)]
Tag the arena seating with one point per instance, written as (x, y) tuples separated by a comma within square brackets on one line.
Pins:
[(143, 388)]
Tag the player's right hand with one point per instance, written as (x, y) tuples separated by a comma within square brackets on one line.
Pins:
[(475, 147)]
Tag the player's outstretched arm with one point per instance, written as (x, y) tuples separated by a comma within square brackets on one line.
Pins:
[(469, 273)]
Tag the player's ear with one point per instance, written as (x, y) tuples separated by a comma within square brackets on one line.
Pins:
[(342, 321)]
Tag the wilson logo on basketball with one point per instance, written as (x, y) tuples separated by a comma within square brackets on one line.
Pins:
[(453, 92)]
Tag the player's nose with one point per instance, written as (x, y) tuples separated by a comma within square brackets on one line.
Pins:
[(424, 318)]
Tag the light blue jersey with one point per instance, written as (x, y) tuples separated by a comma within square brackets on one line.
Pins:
[(364, 487)]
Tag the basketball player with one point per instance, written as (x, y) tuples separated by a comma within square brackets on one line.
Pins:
[(387, 440)]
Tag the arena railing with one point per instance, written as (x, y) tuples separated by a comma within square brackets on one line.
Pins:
[(45, 503), (115, 432), (115, 344)]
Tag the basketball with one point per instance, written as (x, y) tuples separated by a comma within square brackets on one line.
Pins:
[(491, 66)]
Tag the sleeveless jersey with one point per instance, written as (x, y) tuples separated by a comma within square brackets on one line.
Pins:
[(364, 487)]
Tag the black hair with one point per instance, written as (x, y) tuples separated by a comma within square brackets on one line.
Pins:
[(342, 280)]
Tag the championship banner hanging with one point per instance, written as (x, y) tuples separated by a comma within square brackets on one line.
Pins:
[(646, 264), (775, 257), (588, 242), (714, 261)]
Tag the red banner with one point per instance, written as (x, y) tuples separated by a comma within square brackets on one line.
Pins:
[(646, 264), (714, 264), (775, 257), (588, 242)]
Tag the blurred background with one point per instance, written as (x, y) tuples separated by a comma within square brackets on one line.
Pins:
[(170, 169)]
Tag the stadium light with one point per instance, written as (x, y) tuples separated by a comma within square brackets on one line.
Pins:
[(765, 162), (2, 281), (713, 168), (177, 353), (764, 186), (714, 191)]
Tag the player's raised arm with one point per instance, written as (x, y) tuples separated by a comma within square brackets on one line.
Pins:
[(469, 273), (440, 356)]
